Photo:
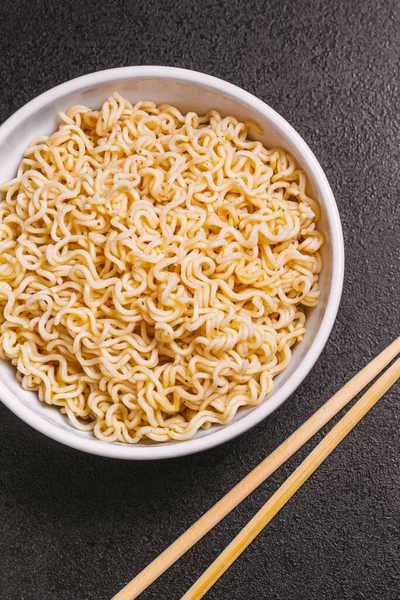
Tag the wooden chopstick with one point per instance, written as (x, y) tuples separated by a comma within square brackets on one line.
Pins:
[(228, 502), (293, 483)]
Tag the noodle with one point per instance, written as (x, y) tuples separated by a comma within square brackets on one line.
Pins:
[(154, 269)]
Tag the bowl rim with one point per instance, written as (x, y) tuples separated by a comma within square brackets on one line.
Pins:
[(260, 412)]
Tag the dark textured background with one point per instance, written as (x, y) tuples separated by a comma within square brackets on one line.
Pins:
[(78, 527)]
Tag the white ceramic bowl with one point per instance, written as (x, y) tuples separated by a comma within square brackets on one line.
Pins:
[(188, 90)]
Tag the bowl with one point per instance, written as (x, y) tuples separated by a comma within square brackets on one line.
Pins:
[(188, 90)]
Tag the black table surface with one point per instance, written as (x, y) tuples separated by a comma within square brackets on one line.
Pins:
[(78, 527)]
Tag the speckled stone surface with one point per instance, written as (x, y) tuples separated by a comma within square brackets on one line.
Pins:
[(78, 527)]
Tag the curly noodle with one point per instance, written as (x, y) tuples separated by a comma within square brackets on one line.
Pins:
[(154, 269)]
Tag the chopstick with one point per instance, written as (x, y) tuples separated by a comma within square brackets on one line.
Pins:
[(292, 484), (258, 475)]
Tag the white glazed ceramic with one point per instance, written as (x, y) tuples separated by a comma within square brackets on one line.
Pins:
[(188, 90)]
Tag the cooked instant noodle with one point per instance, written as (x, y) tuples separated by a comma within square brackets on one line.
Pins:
[(154, 269)]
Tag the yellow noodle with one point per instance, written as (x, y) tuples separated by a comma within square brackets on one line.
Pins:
[(154, 269)]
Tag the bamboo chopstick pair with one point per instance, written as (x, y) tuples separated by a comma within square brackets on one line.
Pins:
[(265, 469)]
